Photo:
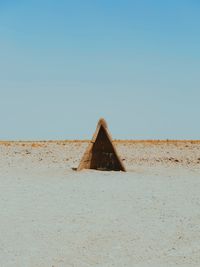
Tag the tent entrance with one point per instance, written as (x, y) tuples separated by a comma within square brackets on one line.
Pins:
[(103, 155)]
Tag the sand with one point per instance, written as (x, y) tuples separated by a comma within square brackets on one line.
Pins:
[(54, 216)]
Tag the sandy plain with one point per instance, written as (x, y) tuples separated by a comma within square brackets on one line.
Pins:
[(53, 216)]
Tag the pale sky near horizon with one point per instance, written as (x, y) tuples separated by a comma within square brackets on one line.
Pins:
[(65, 64)]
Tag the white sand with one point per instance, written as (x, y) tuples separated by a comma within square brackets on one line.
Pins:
[(53, 216)]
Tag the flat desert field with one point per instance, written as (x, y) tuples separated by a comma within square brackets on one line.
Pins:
[(53, 216)]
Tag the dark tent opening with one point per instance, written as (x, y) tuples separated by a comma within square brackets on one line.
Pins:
[(103, 155)]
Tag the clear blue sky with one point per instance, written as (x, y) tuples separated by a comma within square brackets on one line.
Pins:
[(64, 64)]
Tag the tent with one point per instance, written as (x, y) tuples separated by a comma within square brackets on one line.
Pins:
[(101, 153)]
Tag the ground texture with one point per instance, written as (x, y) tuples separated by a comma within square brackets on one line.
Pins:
[(53, 216)]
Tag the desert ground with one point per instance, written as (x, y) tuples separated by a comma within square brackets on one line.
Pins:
[(54, 216)]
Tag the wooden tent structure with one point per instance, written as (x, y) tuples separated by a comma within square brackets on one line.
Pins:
[(101, 153)]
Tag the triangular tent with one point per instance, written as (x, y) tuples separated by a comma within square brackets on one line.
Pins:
[(101, 153)]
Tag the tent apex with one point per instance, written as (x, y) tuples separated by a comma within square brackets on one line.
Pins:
[(102, 122)]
